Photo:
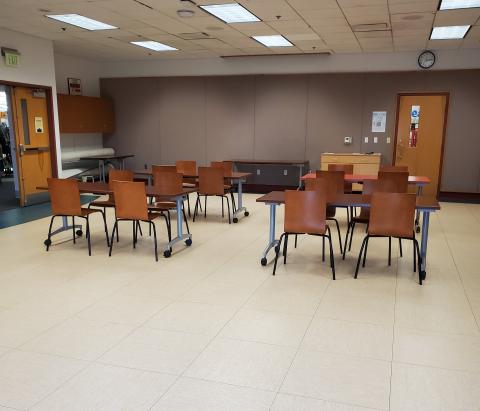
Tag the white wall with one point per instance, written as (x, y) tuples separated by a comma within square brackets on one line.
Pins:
[(335, 63), (36, 67)]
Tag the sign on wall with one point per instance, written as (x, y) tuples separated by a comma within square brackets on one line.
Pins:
[(379, 121), (74, 86)]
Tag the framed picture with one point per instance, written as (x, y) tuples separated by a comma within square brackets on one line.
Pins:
[(74, 86)]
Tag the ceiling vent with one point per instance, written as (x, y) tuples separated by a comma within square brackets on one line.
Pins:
[(359, 28), (200, 35)]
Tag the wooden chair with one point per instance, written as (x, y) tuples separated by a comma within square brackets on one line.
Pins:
[(65, 201), (167, 183), (167, 168), (394, 181), (347, 169), (305, 213), (131, 205), (393, 168), (187, 168), (211, 183), (392, 215), (227, 167)]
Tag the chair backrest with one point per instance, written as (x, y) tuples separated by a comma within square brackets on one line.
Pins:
[(335, 182), (120, 175), (393, 168), (64, 197), (167, 183), (394, 181), (227, 166), (392, 214), (211, 181), (130, 200), (305, 211), (187, 167), (168, 168), (347, 169)]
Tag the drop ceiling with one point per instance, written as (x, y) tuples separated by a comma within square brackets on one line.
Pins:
[(312, 26)]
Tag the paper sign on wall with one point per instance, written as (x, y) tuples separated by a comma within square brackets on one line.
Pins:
[(38, 124), (379, 121)]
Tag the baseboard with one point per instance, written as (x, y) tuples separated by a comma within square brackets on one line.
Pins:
[(458, 197)]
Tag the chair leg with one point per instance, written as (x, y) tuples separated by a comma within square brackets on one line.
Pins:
[(105, 226), (400, 246), (323, 248), (169, 227), (188, 203), (364, 243), (414, 258), (73, 228), (346, 241), (389, 251), (339, 235), (223, 212), (49, 241), (296, 237), (196, 207), (115, 228), (419, 261), (234, 205), (277, 252), (88, 237), (155, 240), (348, 215), (205, 211), (285, 247), (365, 253), (228, 209), (332, 258), (139, 228), (351, 236)]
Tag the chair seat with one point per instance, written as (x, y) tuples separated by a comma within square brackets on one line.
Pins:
[(162, 205), (103, 203)]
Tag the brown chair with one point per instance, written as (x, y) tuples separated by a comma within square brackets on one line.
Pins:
[(168, 168), (65, 201), (131, 205), (305, 213), (392, 215), (227, 167), (393, 168), (188, 168), (394, 181), (113, 175), (167, 183), (211, 183), (347, 169)]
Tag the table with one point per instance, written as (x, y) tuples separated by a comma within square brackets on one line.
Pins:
[(234, 175), (426, 205), (418, 181), (103, 159), (102, 188)]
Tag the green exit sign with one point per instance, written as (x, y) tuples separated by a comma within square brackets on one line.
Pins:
[(12, 60)]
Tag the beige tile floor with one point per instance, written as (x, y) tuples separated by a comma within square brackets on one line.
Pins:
[(210, 329)]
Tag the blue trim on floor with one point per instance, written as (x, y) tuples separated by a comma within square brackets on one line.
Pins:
[(22, 215)]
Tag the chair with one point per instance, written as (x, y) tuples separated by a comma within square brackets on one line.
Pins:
[(394, 181), (113, 175), (65, 200), (393, 168), (347, 169), (305, 213), (167, 183), (211, 183), (168, 168), (131, 205), (392, 215), (187, 168), (228, 169)]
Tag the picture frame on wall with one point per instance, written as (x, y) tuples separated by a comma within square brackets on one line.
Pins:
[(74, 86)]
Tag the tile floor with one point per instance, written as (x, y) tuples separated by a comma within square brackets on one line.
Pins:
[(210, 329)]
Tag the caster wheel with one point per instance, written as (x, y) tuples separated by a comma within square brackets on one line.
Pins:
[(263, 261), (417, 229), (79, 233), (246, 214), (235, 220), (188, 242), (47, 242), (167, 253)]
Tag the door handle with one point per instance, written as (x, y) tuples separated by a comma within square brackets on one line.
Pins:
[(22, 149)]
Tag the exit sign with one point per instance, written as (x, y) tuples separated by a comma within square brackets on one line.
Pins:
[(11, 59)]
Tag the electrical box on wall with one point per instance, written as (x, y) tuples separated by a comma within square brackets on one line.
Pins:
[(347, 140)]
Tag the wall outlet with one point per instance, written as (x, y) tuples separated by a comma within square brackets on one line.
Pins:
[(285, 172), (347, 140), (365, 139), (388, 140), (258, 171), (375, 140)]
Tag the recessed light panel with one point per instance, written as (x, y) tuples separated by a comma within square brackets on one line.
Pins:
[(81, 21), (459, 4), (273, 41), (449, 32), (230, 13), (153, 45)]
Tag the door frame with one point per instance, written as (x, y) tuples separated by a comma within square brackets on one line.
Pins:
[(446, 94), (50, 115)]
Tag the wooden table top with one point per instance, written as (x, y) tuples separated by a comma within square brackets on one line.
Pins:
[(359, 178), (350, 200), (103, 188), (233, 175)]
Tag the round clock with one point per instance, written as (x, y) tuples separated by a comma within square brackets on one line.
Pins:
[(426, 59)]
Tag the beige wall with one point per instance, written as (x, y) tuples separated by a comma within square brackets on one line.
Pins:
[(286, 117)]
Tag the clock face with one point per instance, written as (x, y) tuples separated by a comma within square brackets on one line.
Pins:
[(426, 59)]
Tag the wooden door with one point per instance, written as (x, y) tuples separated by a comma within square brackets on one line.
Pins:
[(420, 133), (32, 141)]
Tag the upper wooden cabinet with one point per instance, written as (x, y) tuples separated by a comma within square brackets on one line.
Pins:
[(81, 114)]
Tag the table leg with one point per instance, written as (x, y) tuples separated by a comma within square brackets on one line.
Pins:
[(180, 236), (272, 242), (417, 215), (423, 246), (66, 227), (101, 169), (240, 207)]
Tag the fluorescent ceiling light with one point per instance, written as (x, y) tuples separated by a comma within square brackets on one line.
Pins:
[(459, 4), (230, 13), (153, 45), (449, 32), (81, 21), (273, 41)]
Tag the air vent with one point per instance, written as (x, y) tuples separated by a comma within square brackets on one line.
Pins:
[(194, 36), (370, 27)]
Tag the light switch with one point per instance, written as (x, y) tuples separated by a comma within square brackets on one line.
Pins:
[(366, 139), (285, 172), (388, 140), (258, 171), (375, 140)]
